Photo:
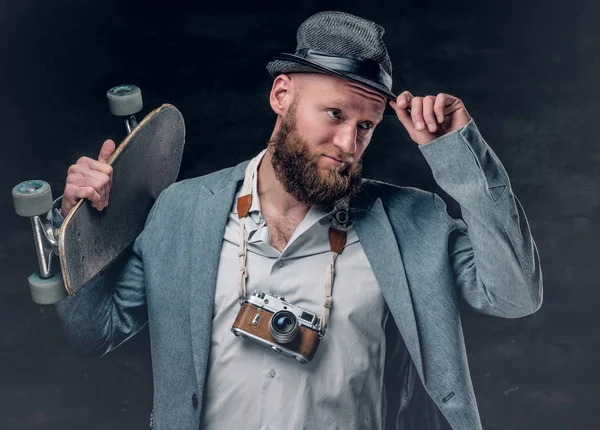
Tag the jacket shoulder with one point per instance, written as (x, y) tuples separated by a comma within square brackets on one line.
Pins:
[(179, 200), (406, 203), (390, 193), (191, 185)]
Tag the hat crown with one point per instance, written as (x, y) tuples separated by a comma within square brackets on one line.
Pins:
[(344, 34)]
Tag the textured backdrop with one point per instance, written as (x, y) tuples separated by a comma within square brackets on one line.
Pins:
[(527, 72)]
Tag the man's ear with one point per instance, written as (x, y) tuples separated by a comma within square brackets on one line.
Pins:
[(281, 94)]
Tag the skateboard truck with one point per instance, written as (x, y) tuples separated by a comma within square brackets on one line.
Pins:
[(33, 199)]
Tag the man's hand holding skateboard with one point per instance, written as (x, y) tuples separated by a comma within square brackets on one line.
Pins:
[(88, 241), (430, 117), (90, 179)]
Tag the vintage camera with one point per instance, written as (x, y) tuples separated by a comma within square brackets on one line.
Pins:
[(273, 322)]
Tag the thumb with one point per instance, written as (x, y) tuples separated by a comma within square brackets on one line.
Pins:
[(108, 147)]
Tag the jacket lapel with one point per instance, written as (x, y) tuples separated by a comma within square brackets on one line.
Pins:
[(381, 247), (212, 212)]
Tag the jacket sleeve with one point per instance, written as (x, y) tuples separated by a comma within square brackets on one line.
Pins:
[(111, 308), (492, 253)]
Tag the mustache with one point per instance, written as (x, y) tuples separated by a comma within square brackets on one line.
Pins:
[(341, 158)]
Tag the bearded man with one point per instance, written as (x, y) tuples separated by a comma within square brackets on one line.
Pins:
[(299, 222)]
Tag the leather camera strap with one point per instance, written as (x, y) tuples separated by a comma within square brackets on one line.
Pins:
[(337, 239)]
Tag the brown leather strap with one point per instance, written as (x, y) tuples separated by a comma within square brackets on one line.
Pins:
[(337, 240), (243, 205)]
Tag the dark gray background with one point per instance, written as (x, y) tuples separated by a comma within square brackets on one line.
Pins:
[(527, 72)]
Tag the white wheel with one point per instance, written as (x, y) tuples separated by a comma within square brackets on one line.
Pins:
[(47, 291), (124, 100), (32, 198)]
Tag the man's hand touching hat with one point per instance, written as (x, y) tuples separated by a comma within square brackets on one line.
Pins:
[(427, 118)]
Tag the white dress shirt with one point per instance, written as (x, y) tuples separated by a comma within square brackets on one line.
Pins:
[(248, 385)]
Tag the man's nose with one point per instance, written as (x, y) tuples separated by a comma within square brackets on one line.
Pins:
[(345, 138)]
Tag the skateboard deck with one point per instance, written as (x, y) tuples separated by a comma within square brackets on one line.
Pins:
[(144, 164)]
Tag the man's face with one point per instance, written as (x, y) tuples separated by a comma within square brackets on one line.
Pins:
[(317, 152)]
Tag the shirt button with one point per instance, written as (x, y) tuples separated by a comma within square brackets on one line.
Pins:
[(272, 373), (194, 400), (280, 263)]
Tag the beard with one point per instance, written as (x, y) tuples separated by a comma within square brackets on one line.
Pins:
[(296, 168)]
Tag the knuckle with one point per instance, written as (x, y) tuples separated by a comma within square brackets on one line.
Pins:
[(71, 190), (428, 113), (91, 193)]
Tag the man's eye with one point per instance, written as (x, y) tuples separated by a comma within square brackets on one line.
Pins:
[(366, 125), (334, 113)]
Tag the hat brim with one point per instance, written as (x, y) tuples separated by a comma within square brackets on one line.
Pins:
[(289, 63)]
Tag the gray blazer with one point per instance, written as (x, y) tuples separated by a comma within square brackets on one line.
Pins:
[(425, 261)]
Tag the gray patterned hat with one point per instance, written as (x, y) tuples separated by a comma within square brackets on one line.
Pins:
[(341, 44)]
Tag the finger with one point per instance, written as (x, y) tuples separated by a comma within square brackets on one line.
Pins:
[(428, 115), (99, 185), (416, 113), (452, 104), (404, 117), (74, 194), (91, 164), (403, 100), (439, 106), (83, 177), (108, 147), (76, 172)]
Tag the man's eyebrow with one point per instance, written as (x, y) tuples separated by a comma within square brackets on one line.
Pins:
[(377, 112)]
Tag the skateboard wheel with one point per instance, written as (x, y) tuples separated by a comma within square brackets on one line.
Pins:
[(124, 100), (47, 291), (32, 198)]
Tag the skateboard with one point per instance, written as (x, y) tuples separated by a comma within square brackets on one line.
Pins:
[(145, 163)]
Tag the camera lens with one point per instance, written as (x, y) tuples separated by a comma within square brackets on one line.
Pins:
[(283, 326)]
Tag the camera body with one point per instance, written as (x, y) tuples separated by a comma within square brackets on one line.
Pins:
[(284, 328)]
